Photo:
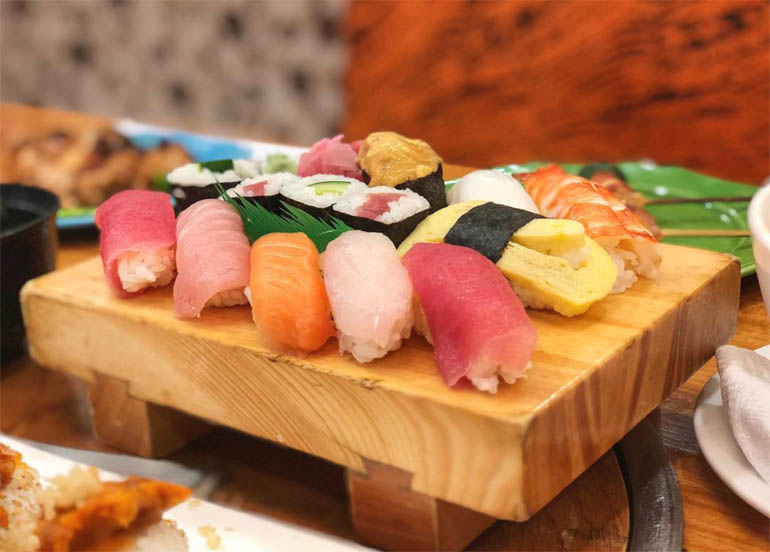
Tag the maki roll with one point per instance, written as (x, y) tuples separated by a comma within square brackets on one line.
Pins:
[(394, 213), (196, 181), (316, 194), (264, 190), (389, 159)]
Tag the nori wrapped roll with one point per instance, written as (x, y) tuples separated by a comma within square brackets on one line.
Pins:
[(385, 210), (389, 159), (196, 181), (264, 190), (316, 194)]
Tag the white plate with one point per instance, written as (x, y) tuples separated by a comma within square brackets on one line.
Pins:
[(240, 532), (715, 437)]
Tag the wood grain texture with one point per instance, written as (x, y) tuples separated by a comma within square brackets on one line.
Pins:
[(488, 83), (505, 455), (589, 515), (388, 514), (133, 425)]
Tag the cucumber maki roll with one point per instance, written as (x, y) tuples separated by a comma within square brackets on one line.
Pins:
[(264, 190), (316, 194), (389, 159), (196, 181), (394, 213)]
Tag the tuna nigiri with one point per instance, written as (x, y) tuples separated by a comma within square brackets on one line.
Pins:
[(478, 325), (370, 294), (212, 258), (606, 219), (288, 299), (137, 241)]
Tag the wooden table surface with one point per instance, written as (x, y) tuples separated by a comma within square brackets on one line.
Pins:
[(52, 407)]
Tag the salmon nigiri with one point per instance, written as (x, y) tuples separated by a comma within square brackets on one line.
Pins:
[(288, 299)]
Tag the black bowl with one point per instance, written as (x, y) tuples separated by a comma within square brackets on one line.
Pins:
[(27, 249)]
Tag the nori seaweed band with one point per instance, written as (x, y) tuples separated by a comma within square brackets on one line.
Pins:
[(488, 228), (431, 187)]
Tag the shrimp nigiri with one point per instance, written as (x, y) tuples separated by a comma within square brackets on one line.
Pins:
[(606, 219), (288, 298)]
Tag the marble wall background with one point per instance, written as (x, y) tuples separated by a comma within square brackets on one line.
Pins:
[(269, 69)]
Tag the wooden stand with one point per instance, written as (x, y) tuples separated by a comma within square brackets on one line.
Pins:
[(138, 427), (387, 514)]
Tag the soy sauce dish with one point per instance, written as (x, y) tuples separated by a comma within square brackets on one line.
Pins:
[(27, 249)]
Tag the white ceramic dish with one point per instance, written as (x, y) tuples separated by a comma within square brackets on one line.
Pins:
[(240, 532), (759, 223), (715, 437)]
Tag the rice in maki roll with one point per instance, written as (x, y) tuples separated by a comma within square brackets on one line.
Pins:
[(264, 190), (196, 181), (389, 159), (316, 194), (394, 213)]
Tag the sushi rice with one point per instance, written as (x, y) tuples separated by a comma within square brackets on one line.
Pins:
[(138, 270), (274, 184), (303, 191), (192, 174), (228, 298), (408, 204)]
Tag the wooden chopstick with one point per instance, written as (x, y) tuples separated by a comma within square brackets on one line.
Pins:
[(704, 233), (675, 200)]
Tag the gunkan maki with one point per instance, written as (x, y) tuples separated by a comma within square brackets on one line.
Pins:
[(196, 181), (389, 159), (394, 213)]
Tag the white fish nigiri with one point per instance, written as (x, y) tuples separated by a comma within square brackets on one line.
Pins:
[(370, 294), (491, 186)]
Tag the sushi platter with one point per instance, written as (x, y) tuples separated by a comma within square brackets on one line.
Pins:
[(472, 352)]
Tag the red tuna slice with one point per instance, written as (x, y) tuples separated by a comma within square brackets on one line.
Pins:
[(254, 189), (479, 327), (133, 220), (212, 255), (330, 156), (376, 204)]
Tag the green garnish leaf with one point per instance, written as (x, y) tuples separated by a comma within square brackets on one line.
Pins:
[(218, 165), (159, 183), (258, 221), (75, 212)]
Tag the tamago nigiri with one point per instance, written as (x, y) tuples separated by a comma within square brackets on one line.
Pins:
[(288, 299), (370, 294)]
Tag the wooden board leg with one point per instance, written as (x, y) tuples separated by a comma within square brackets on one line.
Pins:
[(138, 427), (387, 514)]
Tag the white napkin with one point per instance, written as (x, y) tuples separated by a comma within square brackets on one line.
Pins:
[(745, 377)]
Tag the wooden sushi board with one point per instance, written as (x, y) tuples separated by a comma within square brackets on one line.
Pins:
[(393, 422)]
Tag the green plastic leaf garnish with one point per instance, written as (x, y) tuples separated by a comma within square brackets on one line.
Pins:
[(75, 212), (159, 183), (258, 221), (218, 165)]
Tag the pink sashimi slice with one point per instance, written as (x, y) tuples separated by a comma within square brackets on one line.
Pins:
[(212, 255), (376, 204), (133, 221), (330, 156), (477, 323)]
